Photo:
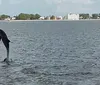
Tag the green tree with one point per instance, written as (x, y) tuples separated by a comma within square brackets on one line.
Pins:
[(46, 18), (2, 17), (37, 16), (27, 16), (95, 16), (84, 16), (52, 17), (23, 16), (32, 16)]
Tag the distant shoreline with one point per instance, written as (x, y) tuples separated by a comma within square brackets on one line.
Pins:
[(49, 20)]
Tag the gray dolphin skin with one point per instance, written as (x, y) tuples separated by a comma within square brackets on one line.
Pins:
[(5, 41)]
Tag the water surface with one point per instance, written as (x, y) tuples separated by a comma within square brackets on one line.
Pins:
[(51, 53)]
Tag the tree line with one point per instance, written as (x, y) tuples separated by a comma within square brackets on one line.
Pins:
[(3, 16), (23, 16), (88, 16)]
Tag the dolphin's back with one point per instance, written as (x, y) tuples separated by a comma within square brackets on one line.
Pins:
[(3, 36), (2, 33)]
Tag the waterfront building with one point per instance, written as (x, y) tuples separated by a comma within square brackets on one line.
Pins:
[(73, 16), (59, 17), (13, 18), (41, 18), (7, 18)]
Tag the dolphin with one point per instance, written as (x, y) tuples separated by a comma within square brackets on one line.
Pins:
[(5, 41)]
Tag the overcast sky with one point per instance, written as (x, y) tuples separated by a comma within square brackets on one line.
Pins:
[(48, 7)]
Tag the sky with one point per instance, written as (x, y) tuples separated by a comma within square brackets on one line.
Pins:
[(49, 7)]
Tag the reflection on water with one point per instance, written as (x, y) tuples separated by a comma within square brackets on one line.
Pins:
[(51, 53)]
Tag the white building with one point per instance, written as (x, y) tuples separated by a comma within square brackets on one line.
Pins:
[(7, 19), (73, 16), (41, 18), (13, 18), (59, 17)]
